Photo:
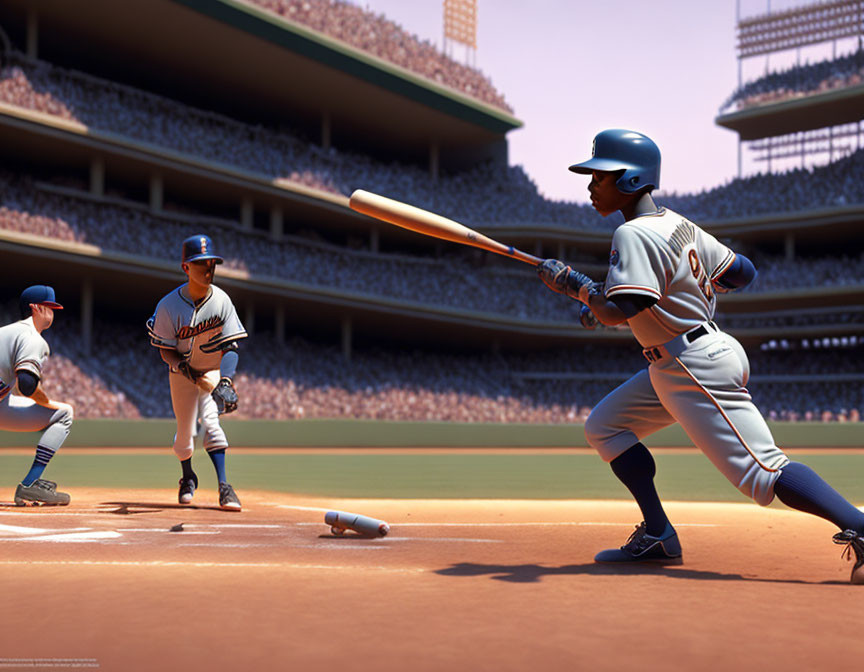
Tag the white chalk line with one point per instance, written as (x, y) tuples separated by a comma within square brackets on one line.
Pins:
[(172, 563), (74, 536)]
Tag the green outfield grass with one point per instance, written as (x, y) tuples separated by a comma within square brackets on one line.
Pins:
[(687, 477)]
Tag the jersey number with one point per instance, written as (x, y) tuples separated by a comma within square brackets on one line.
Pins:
[(700, 275)]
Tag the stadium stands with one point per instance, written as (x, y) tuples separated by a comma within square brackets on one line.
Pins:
[(302, 379), (381, 37), (483, 196), (798, 81)]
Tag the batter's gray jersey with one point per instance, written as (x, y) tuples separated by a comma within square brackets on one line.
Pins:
[(197, 332), (22, 348), (669, 258)]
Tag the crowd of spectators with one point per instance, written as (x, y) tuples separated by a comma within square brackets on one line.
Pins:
[(487, 195), (306, 379), (381, 37), (448, 282), (798, 81)]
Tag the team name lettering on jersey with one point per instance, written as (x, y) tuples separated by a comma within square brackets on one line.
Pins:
[(190, 332), (683, 235), (700, 275)]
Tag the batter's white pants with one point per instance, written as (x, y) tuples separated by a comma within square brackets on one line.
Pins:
[(191, 402), (702, 387), (22, 414)]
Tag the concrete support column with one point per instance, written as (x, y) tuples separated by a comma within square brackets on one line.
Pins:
[(279, 324), (326, 130), (789, 246), (434, 160), (97, 176), (347, 338), (247, 214), (157, 193), (32, 33), (277, 223), (249, 318), (87, 316), (374, 239)]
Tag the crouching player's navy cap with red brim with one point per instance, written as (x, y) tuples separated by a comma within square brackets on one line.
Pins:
[(41, 295)]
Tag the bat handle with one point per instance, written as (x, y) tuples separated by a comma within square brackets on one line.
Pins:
[(524, 256)]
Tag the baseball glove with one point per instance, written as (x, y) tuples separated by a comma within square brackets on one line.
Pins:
[(225, 396)]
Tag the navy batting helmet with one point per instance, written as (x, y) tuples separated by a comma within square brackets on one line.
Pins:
[(198, 248), (634, 153)]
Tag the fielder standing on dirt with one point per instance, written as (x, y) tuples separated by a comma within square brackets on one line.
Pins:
[(664, 273), (24, 406), (196, 329)]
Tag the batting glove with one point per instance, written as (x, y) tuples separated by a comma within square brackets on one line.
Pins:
[(559, 277)]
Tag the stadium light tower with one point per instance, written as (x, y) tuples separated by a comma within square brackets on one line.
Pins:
[(460, 26)]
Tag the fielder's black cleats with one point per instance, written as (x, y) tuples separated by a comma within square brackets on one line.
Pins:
[(642, 547), (228, 500), (187, 489), (854, 546), (40, 492)]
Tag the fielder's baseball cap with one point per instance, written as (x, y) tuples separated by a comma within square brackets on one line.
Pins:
[(41, 295), (198, 248)]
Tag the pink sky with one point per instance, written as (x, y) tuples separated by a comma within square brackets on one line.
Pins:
[(571, 68)]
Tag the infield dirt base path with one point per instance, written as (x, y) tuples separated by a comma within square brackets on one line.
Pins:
[(456, 585)]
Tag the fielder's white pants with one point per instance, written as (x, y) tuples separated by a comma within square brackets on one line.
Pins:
[(191, 402), (702, 387)]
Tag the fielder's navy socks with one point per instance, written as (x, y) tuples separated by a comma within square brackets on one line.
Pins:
[(43, 457), (635, 468), (186, 466), (799, 487), (218, 458)]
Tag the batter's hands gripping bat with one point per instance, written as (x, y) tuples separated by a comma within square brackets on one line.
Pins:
[(430, 224)]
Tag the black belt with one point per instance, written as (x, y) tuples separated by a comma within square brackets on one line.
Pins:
[(698, 332)]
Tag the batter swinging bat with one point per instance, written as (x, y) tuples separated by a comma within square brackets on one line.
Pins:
[(430, 224), (339, 521)]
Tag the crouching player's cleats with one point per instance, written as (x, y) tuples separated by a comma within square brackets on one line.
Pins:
[(228, 499), (187, 489), (40, 493), (854, 551), (642, 547)]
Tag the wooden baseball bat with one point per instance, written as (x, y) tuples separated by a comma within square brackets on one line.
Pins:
[(430, 224)]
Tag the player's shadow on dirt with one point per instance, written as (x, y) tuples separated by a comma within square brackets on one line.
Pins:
[(130, 508), (533, 573)]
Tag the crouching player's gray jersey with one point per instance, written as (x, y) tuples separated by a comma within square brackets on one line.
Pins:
[(196, 332), (21, 348)]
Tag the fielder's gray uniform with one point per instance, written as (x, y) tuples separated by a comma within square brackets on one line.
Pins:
[(198, 333), (698, 374), (22, 348)]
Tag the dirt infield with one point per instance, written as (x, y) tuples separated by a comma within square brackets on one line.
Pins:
[(457, 585)]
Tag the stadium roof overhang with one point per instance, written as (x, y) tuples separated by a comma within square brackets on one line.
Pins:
[(832, 108), (237, 57)]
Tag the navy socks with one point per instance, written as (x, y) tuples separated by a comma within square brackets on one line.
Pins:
[(218, 458), (186, 466), (43, 457), (799, 487), (635, 468)]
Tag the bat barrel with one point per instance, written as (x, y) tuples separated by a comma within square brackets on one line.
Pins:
[(428, 223)]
